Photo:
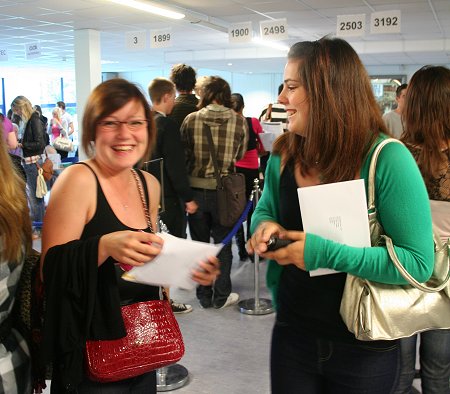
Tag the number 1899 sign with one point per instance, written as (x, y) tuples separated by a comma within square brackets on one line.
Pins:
[(161, 38)]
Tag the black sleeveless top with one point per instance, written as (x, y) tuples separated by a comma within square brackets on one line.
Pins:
[(105, 221), (306, 303)]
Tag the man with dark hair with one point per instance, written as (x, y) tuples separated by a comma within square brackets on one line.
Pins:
[(178, 195), (184, 78), (393, 119), (229, 134)]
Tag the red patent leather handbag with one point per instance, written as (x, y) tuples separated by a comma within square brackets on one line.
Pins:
[(153, 341), (153, 337)]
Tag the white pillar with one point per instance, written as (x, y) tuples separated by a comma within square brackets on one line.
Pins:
[(88, 72)]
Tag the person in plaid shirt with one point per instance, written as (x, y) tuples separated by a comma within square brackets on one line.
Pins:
[(229, 133)]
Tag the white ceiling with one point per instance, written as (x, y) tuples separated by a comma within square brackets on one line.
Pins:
[(425, 36)]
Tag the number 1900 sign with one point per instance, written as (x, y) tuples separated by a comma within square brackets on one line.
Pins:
[(161, 38), (240, 32)]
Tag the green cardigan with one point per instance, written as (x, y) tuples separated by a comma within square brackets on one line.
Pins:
[(403, 210)]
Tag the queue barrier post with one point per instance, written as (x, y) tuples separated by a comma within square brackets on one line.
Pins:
[(171, 377), (256, 305)]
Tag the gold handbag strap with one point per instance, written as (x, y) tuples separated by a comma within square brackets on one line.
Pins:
[(372, 170), (439, 246), (144, 202)]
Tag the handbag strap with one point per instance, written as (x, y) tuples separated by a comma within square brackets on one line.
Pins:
[(268, 116), (144, 202), (212, 151), (372, 170), (389, 244)]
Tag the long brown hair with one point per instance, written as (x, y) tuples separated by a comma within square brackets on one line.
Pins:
[(344, 119), (15, 222), (426, 119)]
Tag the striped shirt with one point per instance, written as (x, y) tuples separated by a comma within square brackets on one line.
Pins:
[(229, 134), (278, 114)]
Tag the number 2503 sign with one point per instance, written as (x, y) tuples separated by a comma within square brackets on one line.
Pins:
[(351, 25)]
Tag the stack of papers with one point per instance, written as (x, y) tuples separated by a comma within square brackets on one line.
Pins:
[(173, 266), (271, 130)]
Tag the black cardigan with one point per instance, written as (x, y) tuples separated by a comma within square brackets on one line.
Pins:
[(77, 308)]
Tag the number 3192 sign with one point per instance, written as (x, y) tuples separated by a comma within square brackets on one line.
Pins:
[(385, 22), (161, 38)]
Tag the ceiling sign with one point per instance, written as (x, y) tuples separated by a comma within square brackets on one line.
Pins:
[(136, 40), (351, 25), (162, 38), (3, 55), (274, 30), (32, 50), (240, 32), (385, 22)]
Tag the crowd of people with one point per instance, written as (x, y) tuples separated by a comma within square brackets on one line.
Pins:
[(84, 248)]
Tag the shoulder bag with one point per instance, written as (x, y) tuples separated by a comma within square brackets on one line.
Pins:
[(63, 143), (378, 311), (231, 196), (153, 337)]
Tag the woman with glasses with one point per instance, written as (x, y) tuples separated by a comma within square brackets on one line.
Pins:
[(95, 223)]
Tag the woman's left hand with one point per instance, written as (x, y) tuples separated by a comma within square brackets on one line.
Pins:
[(293, 253), (207, 271)]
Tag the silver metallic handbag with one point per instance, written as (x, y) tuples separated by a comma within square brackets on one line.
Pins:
[(378, 311)]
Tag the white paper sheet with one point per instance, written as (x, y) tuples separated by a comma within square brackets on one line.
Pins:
[(336, 211), (173, 266), (272, 127), (271, 130), (267, 140)]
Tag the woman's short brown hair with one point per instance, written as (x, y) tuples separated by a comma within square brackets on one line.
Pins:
[(216, 89), (107, 98)]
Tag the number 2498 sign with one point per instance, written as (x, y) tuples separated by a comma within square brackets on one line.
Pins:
[(274, 30)]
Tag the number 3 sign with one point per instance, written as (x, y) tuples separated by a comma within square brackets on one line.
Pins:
[(136, 40)]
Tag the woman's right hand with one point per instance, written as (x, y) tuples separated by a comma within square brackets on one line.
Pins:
[(133, 248), (258, 242)]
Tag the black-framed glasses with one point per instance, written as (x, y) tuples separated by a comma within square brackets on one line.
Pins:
[(114, 125)]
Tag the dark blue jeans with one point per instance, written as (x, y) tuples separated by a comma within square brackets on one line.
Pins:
[(204, 225), (303, 363), (434, 362), (37, 205)]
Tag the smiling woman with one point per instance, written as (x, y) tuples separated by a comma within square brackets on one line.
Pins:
[(334, 126), (111, 221)]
